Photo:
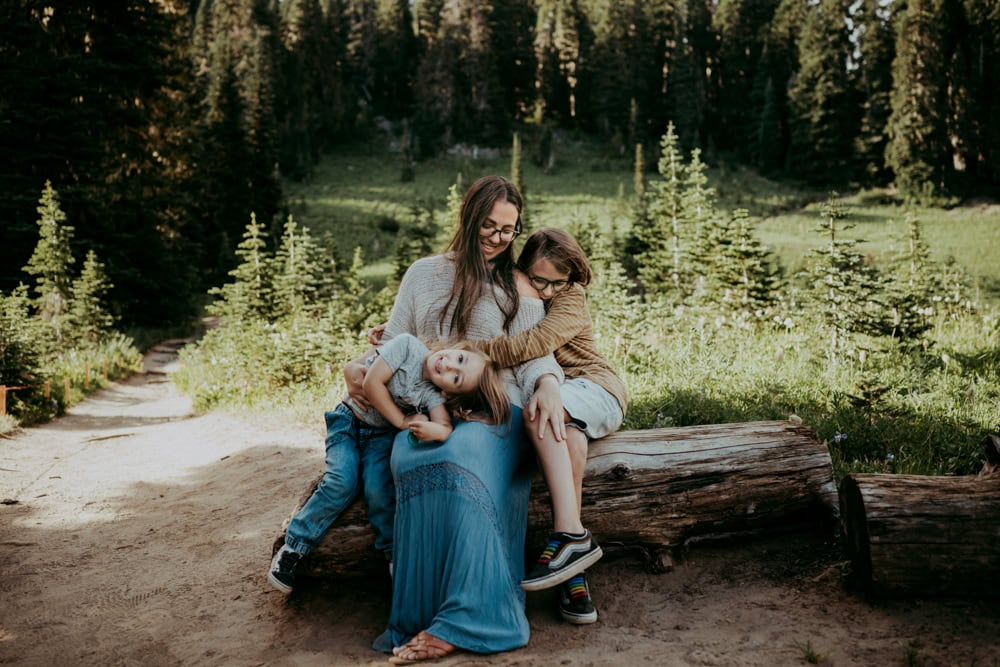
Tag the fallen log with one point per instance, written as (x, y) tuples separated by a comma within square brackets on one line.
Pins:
[(657, 491), (922, 535)]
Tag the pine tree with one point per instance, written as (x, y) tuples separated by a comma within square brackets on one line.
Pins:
[(918, 147), (395, 59), (618, 313), (914, 284), (877, 48), (297, 272), (824, 117), (513, 40), (778, 66), (741, 26), (249, 296), (22, 347), (687, 83), (89, 318), (558, 52), (51, 262), (704, 229), (744, 279), (847, 289), (657, 237), (93, 96)]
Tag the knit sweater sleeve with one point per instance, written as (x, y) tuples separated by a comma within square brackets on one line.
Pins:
[(420, 309), (530, 314), (565, 318)]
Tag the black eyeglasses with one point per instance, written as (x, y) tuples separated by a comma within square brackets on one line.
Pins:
[(488, 229), (541, 284)]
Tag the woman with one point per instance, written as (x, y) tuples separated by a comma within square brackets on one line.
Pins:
[(461, 507)]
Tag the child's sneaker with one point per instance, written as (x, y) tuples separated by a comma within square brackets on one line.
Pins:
[(564, 556), (283, 566), (575, 605)]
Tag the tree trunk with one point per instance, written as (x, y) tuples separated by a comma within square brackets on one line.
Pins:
[(922, 535), (657, 491)]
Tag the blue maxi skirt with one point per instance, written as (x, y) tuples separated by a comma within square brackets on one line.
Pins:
[(461, 515)]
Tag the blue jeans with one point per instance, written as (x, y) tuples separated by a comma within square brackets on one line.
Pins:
[(357, 455)]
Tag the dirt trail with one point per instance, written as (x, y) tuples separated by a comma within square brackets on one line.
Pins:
[(134, 532)]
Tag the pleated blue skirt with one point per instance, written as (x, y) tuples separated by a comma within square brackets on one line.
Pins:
[(461, 515)]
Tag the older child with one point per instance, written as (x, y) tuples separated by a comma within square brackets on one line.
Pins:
[(554, 268), (403, 376)]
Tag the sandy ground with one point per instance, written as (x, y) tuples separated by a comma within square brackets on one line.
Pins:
[(136, 533)]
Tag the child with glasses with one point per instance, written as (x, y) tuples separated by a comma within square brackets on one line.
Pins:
[(402, 380), (553, 267)]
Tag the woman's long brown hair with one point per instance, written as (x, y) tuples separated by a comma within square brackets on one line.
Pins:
[(473, 273)]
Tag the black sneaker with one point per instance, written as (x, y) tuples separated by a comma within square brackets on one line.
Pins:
[(565, 556), (283, 566), (575, 605)]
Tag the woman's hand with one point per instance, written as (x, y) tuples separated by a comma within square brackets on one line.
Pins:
[(545, 408), (354, 375), (375, 334)]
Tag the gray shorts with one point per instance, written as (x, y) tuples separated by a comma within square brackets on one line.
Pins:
[(591, 408)]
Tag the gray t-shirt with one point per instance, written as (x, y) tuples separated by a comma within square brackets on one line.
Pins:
[(405, 356)]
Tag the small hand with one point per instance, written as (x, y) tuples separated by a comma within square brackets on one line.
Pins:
[(428, 430), (354, 375), (415, 418), (375, 334), (545, 408)]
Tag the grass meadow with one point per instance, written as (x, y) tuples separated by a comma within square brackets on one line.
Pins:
[(921, 409)]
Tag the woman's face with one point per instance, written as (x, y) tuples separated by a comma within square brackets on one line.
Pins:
[(498, 229), (546, 279)]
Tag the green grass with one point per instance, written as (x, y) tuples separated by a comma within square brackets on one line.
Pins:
[(923, 410)]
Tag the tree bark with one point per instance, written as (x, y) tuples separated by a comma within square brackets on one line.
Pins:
[(922, 535), (658, 491)]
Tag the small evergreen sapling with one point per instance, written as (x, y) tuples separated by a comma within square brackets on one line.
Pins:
[(846, 288), (51, 262), (248, 297), (89, 319)]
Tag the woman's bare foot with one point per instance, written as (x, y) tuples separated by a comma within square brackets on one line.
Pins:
[(422, 647)]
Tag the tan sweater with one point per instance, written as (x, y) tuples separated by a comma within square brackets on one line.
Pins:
[(568, 331)]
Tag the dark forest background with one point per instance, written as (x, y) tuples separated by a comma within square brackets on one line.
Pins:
[(164, 125)]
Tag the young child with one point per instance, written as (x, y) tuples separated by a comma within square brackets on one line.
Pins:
[(554, 268), (403, 377)]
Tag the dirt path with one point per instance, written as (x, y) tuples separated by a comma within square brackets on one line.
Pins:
[(135, 533)]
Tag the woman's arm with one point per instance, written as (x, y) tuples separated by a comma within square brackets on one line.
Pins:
[(437, 429), (567, 316), (378, 393), (403, 318), (354, 377)]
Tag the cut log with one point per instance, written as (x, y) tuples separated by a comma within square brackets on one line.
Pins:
[(657, 491), (922, 535)]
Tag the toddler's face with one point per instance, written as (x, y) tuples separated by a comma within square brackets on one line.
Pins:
[(454, 371)]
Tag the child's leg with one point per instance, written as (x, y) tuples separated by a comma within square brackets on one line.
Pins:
[(576, 445), (558, 468), (336, 489), (376, 481)]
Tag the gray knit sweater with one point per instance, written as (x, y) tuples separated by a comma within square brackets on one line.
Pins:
[(423, 294)]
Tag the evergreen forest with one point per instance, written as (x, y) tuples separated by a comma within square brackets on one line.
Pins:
[(163, 124)]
